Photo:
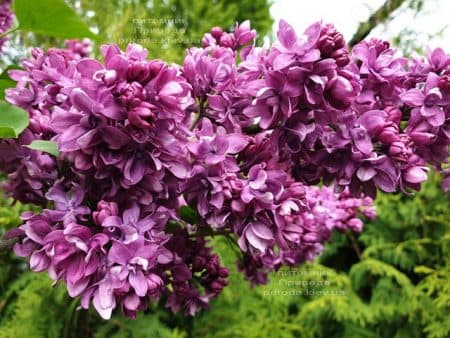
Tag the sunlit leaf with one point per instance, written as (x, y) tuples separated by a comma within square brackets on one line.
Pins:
[(13, 120), (50, 17)]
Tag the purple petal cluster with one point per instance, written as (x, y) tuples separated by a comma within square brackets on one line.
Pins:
[(118, 257), (125, 127), (155, 158), (42, 85), (241, 36), (6, 20), (299, 235)]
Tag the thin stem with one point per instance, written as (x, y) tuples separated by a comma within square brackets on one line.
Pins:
[(6, 244), (355, 244), (9, 32), (253, 129), (200, 114), (211, 233), (381, 15)]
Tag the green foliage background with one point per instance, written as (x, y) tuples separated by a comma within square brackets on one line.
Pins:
[(168, 27), (392, 280)]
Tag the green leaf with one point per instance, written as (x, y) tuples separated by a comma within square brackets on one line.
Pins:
[(5, 80), (5, 84), (188, 214), (172, 227), (4, 74), (13, 120), (50, 17), (45, 146)]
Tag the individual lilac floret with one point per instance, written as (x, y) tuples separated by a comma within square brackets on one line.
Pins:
[(216, 146), (430, 100)]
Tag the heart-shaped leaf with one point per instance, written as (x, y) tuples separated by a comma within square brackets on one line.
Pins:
[(50, 17), (46, 146), (13, 120), (188, 214)]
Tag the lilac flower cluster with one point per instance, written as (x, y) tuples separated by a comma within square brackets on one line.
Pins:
[(43, 84), (237, 138), (118, 256), (125, 127), (300, 235), (6, 20)]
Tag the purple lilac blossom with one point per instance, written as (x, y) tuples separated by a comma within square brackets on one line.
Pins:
[(6, 20), (239, 134)]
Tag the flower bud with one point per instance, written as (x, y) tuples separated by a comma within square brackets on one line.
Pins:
[(389, 133), (340, 92), (444, 82), (142, 116), (130, 94), (332, 44), (104, 210), (216, 32), (227, 40), (208, 40), (108, 77), (400, 152), (394, 114), (355, 224), (341, 56), (422, 138), (138, 71)]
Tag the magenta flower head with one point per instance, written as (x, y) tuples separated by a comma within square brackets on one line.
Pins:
[(243, 33)]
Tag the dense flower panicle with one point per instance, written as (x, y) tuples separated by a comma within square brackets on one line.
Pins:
[(126, 121), (300, 235), (6, 20), (155, 157), (120, 257), (42, 85)]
